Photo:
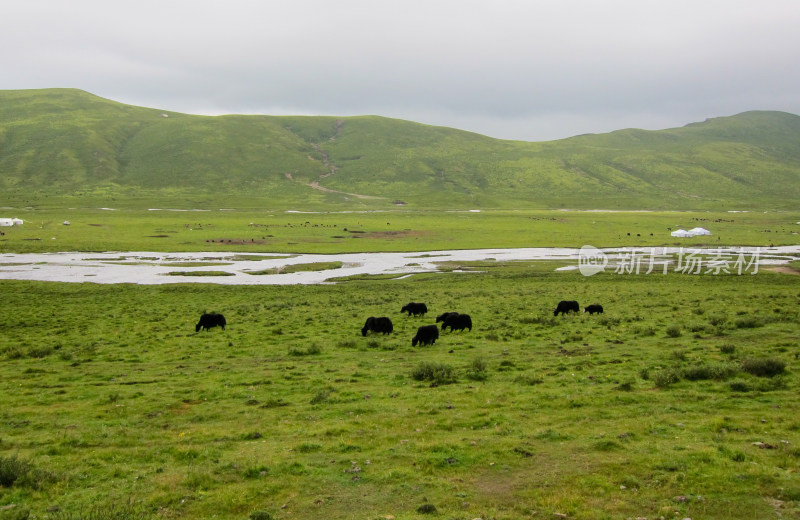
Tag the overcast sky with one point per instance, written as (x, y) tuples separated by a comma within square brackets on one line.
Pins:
[(533, 70)]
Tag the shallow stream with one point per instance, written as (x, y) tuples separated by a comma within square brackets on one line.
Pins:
[(240, 268)]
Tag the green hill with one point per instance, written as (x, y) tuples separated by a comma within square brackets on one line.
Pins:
[(69, 144)]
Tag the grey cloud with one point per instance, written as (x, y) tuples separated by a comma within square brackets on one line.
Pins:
[(507, 68)]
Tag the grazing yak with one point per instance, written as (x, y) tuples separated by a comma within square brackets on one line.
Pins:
[(210, 320), (417, 309), (591, 309), (567, 306), (458, 322), (426, 335), (443, 317), (382, 324)]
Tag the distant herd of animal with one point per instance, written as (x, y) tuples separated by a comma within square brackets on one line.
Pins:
[(426, 334)]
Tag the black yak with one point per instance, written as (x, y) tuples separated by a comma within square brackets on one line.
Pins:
[(426, 335), (458, 322), (382, 324), (592, 309), (417, 309), (567, 306), (210, 320), (443, 317)]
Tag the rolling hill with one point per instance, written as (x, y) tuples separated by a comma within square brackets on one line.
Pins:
[(65, 144)]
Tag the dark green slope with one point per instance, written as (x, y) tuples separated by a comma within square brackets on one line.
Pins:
[(742, 160), (68, 142), (751, 158)]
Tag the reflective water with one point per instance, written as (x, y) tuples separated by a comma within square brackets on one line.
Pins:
[(237, 268)]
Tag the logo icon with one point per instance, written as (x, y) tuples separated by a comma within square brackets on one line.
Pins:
[(591, 261)]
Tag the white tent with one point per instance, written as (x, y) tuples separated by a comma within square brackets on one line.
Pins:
[(10, 222), (699, 231), (682, 233)]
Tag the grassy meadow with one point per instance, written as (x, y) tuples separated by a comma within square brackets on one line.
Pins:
[(680, 401), (279, 231)]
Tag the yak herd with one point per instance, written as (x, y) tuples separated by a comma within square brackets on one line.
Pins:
[(426, 334)]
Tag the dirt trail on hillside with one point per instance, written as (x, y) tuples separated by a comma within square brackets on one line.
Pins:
[(325, 157), (331, 169), (316, 186)]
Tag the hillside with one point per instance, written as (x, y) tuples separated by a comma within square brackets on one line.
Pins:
[(68, 144)]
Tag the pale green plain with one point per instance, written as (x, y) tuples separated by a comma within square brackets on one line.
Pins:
[(265, 231)]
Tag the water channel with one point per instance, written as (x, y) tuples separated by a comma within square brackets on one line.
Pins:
[(265, 268)]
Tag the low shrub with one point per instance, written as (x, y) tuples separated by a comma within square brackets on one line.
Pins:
[(40, 352), (703, 371), (18, 472), (273, 402), (624, 387), (673, 331), (727, 349), (607, 445), (644, 330), (771, 384), (11, 512), (574, 337), (764, 367), (552, 435), (631, 482), (665, 378), (739, 386), (506, 365), (717, 320), (323, 395), (528, 379), (748, 322), (548, 321), (679, 355), (609, 321), (696, 327), (477, 370), (311, 350), (791, 493), (14, 353), (256, 472), (436, 373)]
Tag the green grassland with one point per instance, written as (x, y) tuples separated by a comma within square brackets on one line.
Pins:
[(399, 230), (680, 401), (72, 149)]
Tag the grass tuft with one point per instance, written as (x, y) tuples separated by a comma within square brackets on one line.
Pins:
[(477, 370), (436, 373), (311, 350), (21, 473), (673, 331)]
